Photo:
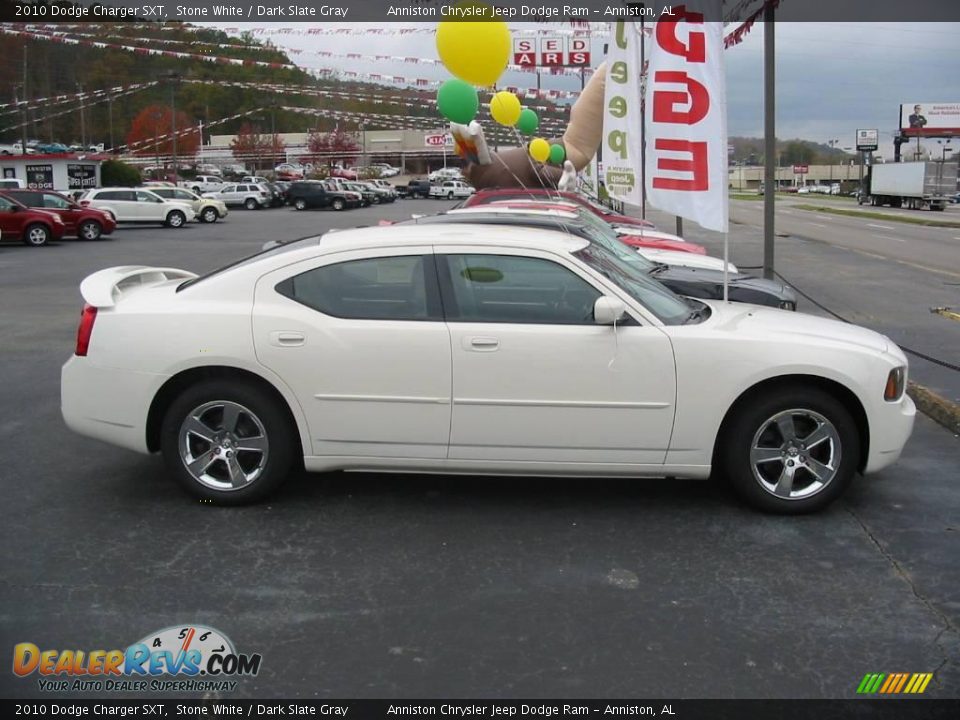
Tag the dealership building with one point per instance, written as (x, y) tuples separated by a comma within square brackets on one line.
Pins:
[(61, 171)]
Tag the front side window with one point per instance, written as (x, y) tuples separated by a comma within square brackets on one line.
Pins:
[(229, 189), (514, 289), (5, 205), (55, 202), (386, 288)]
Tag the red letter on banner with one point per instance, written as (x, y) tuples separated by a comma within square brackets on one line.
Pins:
[(697, 166), (664, 102), (668, 40)]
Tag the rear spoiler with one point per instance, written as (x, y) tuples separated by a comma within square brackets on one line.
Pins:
[(103, 288)]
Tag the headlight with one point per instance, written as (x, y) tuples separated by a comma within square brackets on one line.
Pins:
[(896, 381)]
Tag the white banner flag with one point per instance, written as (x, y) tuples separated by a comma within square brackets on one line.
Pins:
[(621, 114), (686, 102)]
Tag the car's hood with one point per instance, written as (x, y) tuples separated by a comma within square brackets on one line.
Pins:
[(706, 275), (770, 322), (684, 259)]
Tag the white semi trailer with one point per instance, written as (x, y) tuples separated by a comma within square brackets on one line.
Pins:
[(914, 185)]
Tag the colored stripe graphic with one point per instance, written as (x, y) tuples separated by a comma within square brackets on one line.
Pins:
[(894, 683)]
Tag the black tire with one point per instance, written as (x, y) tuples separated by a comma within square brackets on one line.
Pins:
[(175, 219), (89, 230), (196, 189), (337, 204), (737, 441), (376, 200), (273, 469), (450, 195), (251, 204), (209, 215), (300, 204), (36, 235)]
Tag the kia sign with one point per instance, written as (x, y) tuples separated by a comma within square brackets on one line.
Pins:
[(525, 52), (438, 140), (868, 140), (801, 169)]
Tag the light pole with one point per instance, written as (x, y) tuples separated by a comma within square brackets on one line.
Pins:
[(363, 145), (174, 78), (832, 143), (83, 130)]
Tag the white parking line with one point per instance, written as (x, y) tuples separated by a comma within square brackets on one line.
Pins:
[(881, 227), (887, 237), (818, 225), (825, 217)]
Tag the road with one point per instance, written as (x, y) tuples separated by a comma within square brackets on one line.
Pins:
[(929, 248)]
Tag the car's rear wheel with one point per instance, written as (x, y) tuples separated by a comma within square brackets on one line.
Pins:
[(176, 219), (227, 442), (450, 195), (337, 204), (36, 235), (793, 452), (300, 204), (251, 204), (90, 230), (209, 215)]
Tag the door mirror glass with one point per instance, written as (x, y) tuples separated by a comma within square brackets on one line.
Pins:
[(608, 310)]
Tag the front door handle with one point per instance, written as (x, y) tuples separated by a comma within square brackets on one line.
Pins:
[(285, 338), (484, 344)]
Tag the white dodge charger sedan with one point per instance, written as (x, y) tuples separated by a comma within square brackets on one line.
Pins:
[(474, 349)]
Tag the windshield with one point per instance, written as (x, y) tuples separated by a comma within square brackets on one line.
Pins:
[(657, 298), (604, 235)]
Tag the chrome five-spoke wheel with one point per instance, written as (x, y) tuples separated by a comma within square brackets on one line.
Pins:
[(223, 445), (795, 454)]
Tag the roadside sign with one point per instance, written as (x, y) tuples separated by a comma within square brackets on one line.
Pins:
[(801, 169), (868, 140)]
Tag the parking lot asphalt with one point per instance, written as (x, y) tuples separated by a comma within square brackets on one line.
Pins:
[(370, 585)]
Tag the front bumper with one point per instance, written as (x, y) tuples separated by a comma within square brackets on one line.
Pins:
[(890, 427)]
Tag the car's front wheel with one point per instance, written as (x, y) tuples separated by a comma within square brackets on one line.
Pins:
[(209, 215), (176, 219), (337, 204), (300, 204), (90, 230), (251, 204), (227, 442), (794, 451)]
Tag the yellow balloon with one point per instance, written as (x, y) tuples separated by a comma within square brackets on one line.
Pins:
[(505, 108), (477, 52), (539, 149)]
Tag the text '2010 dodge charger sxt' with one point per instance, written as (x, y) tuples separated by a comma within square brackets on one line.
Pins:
[(475, 349)]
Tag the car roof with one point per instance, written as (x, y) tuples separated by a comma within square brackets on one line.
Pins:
[(446, 234)]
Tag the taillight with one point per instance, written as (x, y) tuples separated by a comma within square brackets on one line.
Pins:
[(895, 382), (87, 318), (85, 203)]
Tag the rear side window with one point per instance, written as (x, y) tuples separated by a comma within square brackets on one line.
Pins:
[(513, 289), (116, 195), (30, 199), (386, 288)]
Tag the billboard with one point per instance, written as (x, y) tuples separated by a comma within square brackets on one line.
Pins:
[(81, 176), (40, 177), (930, 118)]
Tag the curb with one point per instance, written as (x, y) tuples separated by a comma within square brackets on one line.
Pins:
[(937, 408)]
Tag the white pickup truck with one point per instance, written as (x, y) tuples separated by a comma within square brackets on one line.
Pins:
[(203, 183)]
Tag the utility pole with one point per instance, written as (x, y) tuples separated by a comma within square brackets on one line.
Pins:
[(174, 79), (83, 130), (23, 121), (110, 114)]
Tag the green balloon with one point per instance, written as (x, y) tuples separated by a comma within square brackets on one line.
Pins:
[(557, 154), (528, 122), (458, 101)]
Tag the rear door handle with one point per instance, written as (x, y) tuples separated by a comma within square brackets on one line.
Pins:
[(484, 344), (287, 339)]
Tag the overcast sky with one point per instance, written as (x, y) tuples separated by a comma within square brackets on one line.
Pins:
[(832, 78)]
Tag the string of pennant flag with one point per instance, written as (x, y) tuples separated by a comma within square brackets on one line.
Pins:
[(72, 97), (93, 101)]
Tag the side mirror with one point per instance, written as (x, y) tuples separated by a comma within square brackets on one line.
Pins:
[(608, 310)]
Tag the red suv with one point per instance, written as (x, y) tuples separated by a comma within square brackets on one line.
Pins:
[(86, 223), (33, 227), (485, 197)]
